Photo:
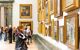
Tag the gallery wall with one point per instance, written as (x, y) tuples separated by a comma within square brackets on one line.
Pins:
[(16, 13)]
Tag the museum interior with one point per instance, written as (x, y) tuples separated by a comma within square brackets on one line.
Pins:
[(53, 24)]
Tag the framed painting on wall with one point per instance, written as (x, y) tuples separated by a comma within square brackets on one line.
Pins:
[(26, 23), (69, 5), (61, 33), (46, 11), (39, 10), (56, 30), (25, 10), (57, 8), (46, 5), (71, 30), (51, 7), (61, 29)]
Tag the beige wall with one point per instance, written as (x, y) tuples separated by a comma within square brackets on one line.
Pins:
[(16, 13)]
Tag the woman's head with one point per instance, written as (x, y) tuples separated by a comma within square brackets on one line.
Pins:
[(20, 28)]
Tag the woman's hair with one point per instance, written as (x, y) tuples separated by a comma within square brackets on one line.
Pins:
[(20, 28)]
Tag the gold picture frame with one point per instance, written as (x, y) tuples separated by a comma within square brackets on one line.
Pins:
[(51, 7), (69, 5), (73, 19), (57, 8), (24, 22), (39, 10), (25, 10), (56, 30), (61, 31)]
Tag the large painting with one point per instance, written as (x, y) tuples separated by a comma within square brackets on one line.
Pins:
[(69, 5), (46, 8), (25, 10), (57, 8), (55, 31), (71, 30), (69, 2), (51, 6)]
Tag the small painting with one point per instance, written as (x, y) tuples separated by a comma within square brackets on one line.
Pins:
[(25, 10)]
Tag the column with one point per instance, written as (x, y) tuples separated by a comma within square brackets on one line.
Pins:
[(9, 16), (2, 16)]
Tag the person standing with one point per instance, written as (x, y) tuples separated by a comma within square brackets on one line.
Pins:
[(20, 42), (14, 31), (5, 33), (0, 34), (29, 35), (10, 34), (25, 33)]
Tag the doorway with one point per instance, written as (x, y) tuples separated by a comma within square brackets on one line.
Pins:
[(27, 24), (7, 11)]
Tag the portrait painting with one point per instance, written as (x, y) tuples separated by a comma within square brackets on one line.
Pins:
[(51, 7), (46, 8), (25, 10)]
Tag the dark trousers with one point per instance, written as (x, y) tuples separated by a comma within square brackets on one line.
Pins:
[(29, 39), (24, 46), (10, 39), (0, 36), (20, 44), (14, 37), (5, 38)]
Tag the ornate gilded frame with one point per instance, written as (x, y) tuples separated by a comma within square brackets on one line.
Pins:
[(75, 15), (56, 28), (39, 10), (51, 7), (57, 8), (52, 28), (69, 5), (25, 11), (26, 22)]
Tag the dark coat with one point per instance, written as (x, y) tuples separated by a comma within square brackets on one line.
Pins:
[(10, 35), (20, 43)]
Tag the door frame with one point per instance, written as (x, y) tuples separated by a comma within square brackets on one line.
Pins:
[(26, 22)]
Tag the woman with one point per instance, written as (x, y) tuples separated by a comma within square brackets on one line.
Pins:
[(5, 33), (14, 31), (20, 42), (29, 35)]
